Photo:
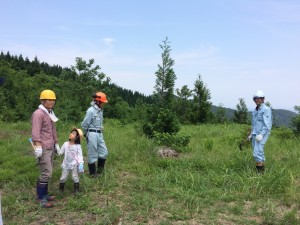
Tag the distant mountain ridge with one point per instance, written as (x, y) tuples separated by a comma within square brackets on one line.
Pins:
[(282, 117)]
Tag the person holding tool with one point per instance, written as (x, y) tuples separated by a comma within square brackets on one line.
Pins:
[(92, 126), (45, 142), (261, 128)]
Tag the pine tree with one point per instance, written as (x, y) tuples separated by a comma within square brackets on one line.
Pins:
[(165, 77), (183, 103), (201, 109), (160, 116), (241, 113), (221, 114)]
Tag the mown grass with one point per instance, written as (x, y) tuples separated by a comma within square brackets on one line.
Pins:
[(211, 182)]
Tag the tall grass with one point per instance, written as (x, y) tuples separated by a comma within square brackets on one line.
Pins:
[(211, 182)]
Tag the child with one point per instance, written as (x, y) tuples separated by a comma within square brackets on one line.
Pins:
[(73, 160)]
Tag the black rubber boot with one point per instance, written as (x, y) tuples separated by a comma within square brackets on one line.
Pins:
[(260, 169), (61, 187), (76, 188), (92, 169), (101, 163)]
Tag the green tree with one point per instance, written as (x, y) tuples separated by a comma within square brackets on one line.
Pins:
[(118, 109), (296, 121), (165, 77), (183, 103), (3, 108), (34, 67), (160, 117), (241, 113), (139, 111), (201, 108), (220, 114), (90, 78)]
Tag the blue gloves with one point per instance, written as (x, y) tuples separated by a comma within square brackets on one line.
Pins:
[(80, 168)]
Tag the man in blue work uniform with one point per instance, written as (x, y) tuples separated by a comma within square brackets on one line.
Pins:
[(261, 128), (92, 126)]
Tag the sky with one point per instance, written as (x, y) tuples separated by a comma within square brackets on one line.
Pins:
[(238, 47)]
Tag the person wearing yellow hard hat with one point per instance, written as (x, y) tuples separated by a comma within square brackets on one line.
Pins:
[(92, 126), (45, 142), (73, 160), (261, 128)]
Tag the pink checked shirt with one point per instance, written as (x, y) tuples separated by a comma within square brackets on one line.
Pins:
[(43, 129)]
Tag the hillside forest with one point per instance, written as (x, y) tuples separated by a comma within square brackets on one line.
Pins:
[(22, 80)]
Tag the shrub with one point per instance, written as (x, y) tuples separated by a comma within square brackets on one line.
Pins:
[(284, 133), (171, 140)]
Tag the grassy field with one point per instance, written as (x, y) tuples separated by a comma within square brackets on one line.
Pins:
[(211, 182)]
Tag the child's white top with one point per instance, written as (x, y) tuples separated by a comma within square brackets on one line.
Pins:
[(73, 155)]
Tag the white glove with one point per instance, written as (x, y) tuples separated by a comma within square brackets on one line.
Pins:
[(57, 148), (59, 152), (38, 151), (250, 137), (259, 137)]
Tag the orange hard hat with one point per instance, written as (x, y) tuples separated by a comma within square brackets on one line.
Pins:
[(100, 96)]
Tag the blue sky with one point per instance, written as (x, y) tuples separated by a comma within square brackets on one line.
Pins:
[(237, 46)]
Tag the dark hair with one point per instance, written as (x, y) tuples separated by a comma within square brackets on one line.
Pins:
[(77, 138)]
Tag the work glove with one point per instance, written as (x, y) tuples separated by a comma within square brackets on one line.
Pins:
[(80, 168), (38, 151), (249, 137), (259, 137), (59, 152), (57, 148)]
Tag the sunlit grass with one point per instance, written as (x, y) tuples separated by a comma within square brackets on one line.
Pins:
[(211, 182)]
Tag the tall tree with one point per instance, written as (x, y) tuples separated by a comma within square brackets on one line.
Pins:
[(241, 113), (90, 78), (201, 109), (161, 117), (165, 77)]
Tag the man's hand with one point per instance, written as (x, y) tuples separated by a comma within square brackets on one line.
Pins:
[(38, 151), (259, 137)]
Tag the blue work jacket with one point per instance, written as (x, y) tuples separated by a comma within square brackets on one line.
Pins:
[(262, 120)]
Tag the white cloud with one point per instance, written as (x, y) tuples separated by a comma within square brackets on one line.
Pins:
[(108, 41)]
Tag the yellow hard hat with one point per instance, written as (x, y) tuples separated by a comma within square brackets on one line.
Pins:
[(47, 94)]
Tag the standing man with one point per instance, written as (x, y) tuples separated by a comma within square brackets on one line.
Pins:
[(92, 126), (261, 128), (44, 137)]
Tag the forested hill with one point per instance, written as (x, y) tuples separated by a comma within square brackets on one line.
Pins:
[(282, 117), (21, 81)]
